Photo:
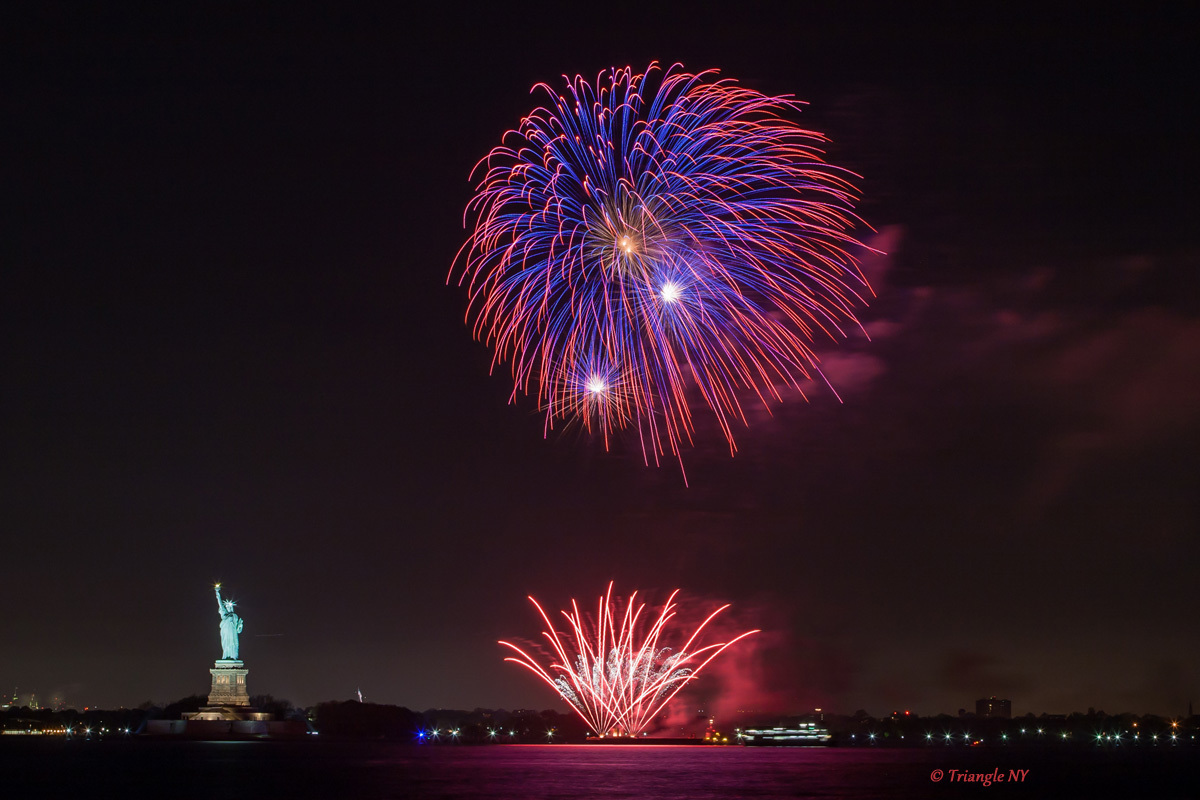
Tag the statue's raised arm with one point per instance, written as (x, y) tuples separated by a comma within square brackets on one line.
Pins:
[(220, 605)]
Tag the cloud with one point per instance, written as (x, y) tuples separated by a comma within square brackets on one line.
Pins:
[(1096, 374), (1126, 387), (851, 373), (877, 262)]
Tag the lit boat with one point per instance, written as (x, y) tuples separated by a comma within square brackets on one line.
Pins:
[(804, 734)]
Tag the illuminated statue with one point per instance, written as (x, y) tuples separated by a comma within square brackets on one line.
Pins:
[(231, 626)]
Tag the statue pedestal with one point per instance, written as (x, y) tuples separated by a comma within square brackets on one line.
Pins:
[(229, 683), (228, 699), (226, 714)]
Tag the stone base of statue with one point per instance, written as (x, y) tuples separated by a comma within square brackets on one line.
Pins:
[(228, 701), (228, 714), (229, 683)]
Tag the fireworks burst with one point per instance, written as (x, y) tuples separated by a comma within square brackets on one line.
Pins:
[(616, 677), (658, 237)]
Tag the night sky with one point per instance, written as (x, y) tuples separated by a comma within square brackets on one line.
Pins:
[(228, 352)]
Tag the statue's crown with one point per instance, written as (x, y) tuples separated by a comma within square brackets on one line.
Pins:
[(229, 604)]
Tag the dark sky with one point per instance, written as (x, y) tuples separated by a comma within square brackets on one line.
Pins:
[(227, 352)]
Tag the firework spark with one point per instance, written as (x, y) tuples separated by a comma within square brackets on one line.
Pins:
[(655, 238), (618, 677)]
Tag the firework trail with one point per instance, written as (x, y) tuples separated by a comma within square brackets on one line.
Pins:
[(655, 237), (616, 676)]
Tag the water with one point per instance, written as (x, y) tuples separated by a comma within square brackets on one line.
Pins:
[(322, 769)]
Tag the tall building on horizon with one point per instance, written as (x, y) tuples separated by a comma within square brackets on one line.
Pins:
[(993, 708)]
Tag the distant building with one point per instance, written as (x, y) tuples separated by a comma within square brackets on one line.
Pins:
[(993, 708)]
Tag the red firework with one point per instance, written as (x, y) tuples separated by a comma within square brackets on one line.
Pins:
[(615, 677)]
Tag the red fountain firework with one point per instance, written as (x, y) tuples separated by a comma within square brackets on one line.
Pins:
[(616, 678)]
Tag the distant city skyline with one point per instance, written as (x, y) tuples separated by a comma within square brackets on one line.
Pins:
[(983, 708)]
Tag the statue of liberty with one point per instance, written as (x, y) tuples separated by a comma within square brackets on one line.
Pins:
[(231, 626)]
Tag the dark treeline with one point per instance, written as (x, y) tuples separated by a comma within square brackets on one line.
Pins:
[(119, 721), (351, 719), (126, 721), (348, 719), (1092, 728)]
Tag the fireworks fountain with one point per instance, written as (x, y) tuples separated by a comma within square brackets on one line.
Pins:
[(657, 238), (615, 676)]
